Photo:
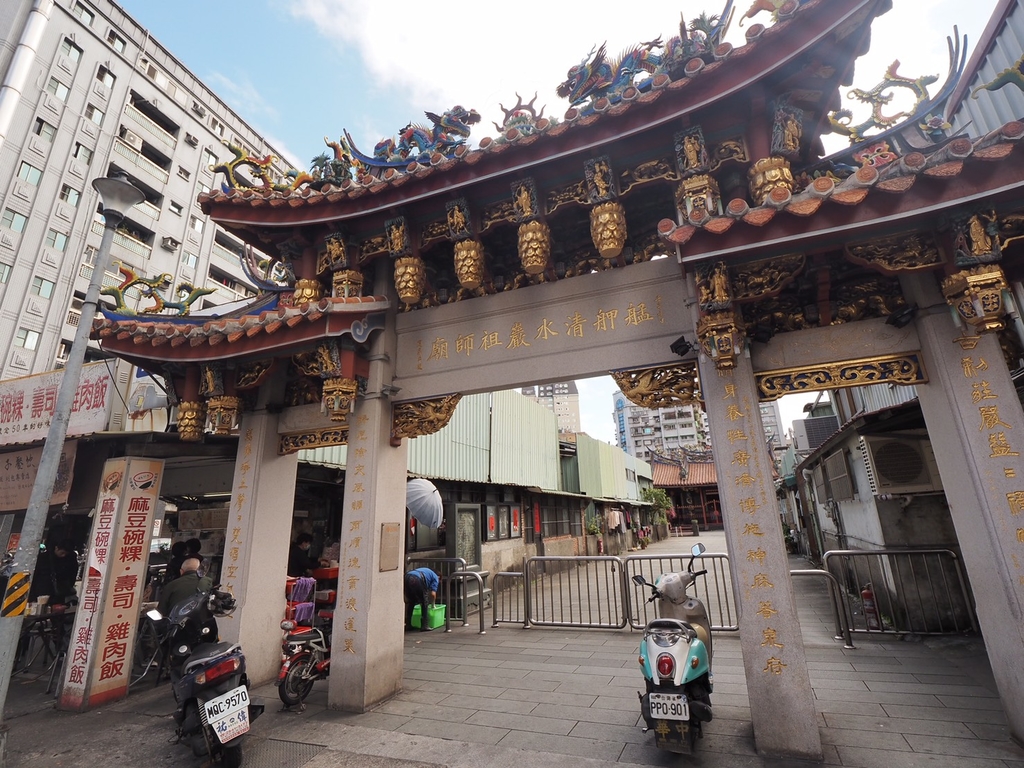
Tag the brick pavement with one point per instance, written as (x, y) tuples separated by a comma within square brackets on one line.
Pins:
[(516, 697)]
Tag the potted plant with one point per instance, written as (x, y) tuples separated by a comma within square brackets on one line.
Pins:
[(593, 530), (790, 538), (660, 505)]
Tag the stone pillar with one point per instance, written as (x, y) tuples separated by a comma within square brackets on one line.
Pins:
[(976, 427), (256, 544), (368, 641), (781, 700)]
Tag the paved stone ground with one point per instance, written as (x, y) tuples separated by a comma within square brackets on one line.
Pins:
[(538, 697)]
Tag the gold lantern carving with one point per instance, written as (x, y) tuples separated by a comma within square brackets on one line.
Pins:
[(534, 246), (346, 283), (721, 338), (307, 291), (222, 412), (338, 394), (977, 296), (410, 279), (608, 228), (469, 263), (767, 174), (698, 197), (191, 420)]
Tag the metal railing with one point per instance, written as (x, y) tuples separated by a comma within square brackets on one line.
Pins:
[(916, 591), (508, 599), (576, 592), (125, 241), (714, 590), (139, 160), (158, 132), (462, 576), (835, 596)]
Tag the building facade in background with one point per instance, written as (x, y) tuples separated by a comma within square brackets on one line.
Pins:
[(562, 399), (87, 91), (646, 432)]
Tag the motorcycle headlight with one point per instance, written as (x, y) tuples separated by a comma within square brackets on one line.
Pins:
[(665, 638)]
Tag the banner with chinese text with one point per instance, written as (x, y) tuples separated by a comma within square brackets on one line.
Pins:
[(27, 404), (99, 657), (18, 475)]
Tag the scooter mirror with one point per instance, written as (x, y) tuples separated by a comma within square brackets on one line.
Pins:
[(698, 549), (154, 614), (639, 580)]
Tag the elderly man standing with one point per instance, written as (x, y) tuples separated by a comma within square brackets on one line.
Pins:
[(183, 587)]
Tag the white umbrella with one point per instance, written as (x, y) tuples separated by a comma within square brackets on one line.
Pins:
[(424, 502)]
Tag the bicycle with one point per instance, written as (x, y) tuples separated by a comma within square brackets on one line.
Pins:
[(148, 655)]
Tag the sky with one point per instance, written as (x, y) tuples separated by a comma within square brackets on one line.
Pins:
[(301, 70)]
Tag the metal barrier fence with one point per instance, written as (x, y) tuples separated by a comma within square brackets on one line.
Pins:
[(508, 599), (918, 591), (576, 592), (714, 590), (835, 596)]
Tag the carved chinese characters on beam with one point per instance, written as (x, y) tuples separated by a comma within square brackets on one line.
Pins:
[(895, 369), (661, 387), (422, 417), (904, 253)]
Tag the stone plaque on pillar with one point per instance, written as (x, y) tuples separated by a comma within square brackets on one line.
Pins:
[(390, 547), (773, 651)]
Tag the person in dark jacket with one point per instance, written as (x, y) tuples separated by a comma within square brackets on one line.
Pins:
[(56, 573), (420, 589), (179, 553), (183, 587), (300, 562)]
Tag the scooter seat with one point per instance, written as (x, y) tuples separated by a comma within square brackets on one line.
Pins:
[(672, 624), (206, 653)]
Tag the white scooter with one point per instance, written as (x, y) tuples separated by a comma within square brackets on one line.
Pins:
[(675, 656)]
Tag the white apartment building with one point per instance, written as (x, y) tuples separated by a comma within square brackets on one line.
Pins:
[(87, 91), (643, 432), (563, 399)]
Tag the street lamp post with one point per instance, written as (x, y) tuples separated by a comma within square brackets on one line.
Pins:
[(117, 196)]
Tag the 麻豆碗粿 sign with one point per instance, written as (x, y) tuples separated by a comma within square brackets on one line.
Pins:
[(27, 404)]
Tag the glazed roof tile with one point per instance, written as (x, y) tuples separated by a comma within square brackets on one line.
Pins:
[(150, 329), (670, 474), (575, 119), (896, 178)]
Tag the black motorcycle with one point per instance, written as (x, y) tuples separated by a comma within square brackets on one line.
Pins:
[(208, 678)]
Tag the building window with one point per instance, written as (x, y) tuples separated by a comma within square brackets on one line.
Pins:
[(56, 240), (57, 88), (95, 114), (42, 287), (196, 224), (70, 50), (30, 173), (13, 220), (26, 338), (70, 195), (84, 14), (83, 153), (217, 126), (44, 130), (116, 41), (106, 77), (89, 257), (5, 272), (205, 189), (175, 208), (209, 159), (183, 173), (189, 260)]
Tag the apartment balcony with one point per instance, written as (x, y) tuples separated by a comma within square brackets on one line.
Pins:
[(152, 129), (126, 242), (85, 272), (137, 159), (225, 253)]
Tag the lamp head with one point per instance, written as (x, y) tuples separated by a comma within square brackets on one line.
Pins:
[(117, 194), (902, 317), (680, 346)]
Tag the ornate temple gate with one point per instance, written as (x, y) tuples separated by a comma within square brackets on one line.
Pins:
[(535, 258)]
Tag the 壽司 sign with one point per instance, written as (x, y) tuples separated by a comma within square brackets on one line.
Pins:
[(27, 404)]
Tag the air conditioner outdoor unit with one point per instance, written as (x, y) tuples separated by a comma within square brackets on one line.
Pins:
[(199, 109), (170, 243), (192, 141), (132, 140), (900, 465)]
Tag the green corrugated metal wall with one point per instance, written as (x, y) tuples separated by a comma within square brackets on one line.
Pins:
[(524, 442)]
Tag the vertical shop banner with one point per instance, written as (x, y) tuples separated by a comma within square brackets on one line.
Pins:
[(99, 657)]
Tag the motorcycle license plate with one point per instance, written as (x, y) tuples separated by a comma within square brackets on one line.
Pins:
[(228, 715), (669, 706)]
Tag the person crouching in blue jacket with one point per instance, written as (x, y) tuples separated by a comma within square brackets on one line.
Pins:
[(420, 589)]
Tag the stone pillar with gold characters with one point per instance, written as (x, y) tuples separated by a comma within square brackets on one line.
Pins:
[(773, 651), (976, 427), (368, 636)]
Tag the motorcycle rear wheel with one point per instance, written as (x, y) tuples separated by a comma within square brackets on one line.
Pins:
[(231, 757), (298, 680)]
